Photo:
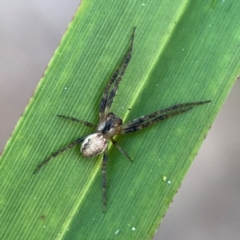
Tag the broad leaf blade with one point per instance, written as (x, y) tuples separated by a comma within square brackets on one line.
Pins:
[(183, 51)]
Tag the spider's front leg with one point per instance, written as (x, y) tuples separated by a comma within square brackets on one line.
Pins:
[(107, 98), (88, 124), (120, 149), (147, 120)]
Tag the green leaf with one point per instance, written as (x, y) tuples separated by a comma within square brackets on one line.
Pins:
[(184, 51)]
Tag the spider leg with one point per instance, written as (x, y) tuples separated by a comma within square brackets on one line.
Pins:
[(107, 97), (104, 178), (120, 149), (88, 124), (157, 113), (39, 166), (121, 73), (148, 120), (105, 94), (140, 126)]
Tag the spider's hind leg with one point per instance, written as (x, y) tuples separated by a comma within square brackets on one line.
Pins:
[(104, 178), (47, 160)]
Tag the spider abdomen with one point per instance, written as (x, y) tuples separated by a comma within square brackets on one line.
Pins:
[(93, 145)]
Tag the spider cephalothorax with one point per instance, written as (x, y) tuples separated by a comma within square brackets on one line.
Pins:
[(110, 125)]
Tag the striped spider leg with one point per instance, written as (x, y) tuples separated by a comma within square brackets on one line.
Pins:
[(107, 98), (147, 120), (72, 144)]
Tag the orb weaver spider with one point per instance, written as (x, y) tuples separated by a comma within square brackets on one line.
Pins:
[(110, 125)]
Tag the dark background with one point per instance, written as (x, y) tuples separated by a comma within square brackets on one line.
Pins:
[(207, 204)]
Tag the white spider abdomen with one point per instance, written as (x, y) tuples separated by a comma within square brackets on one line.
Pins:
[(93, 145)]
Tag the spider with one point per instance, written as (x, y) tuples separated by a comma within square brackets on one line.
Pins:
[(110, 125)]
